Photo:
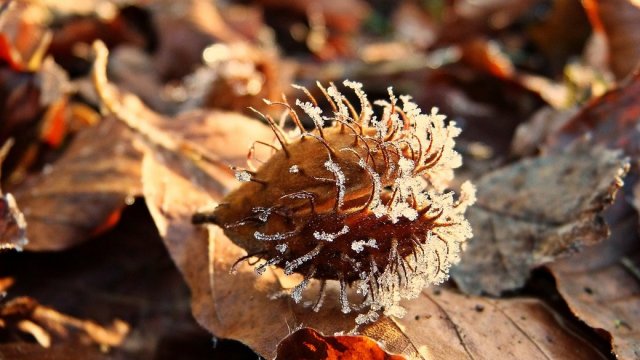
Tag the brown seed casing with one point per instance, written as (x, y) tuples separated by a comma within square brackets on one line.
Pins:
[(359, 201)]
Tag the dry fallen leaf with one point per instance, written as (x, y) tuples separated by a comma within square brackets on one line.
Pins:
[(535, 210), (20, 103), (23, 34), (340, 15), (125, 273), (601, 285), (27, 351), (557, 41), (488, 57), (483, 328), (466, 18), (413, 25), (609, 119), (86, 188), (13, 227), (33, 105), (236, 76), (179, 178), (184, 31), (69, 43), (132, 69), (531, 134), (307, 343), (183, 135), (619, 21), (83, 192), (46, 325)]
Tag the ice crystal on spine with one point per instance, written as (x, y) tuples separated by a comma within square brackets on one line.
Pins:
[(358, 246), (242, 175), (360, 201), (321, 235), (340, 179)]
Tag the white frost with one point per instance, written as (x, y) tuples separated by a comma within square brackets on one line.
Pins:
[(263, 213), (358, 246), (263, 267), (343, 111), (314, 112), (367, 318), (377, 187), (273, 237), (365, 105), (324, 236), (340, 179), (242, 175), (292, 265)]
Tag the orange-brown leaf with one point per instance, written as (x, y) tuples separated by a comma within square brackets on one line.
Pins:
[(96, 175), (308, 344), (619, 20), (611, 120)]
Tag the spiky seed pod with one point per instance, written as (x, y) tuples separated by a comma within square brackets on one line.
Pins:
[(358, 199)]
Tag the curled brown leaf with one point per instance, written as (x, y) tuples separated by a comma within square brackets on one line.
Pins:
[(601, 285), (609, 120), (534, 211), (95, 178), (44, 323)]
